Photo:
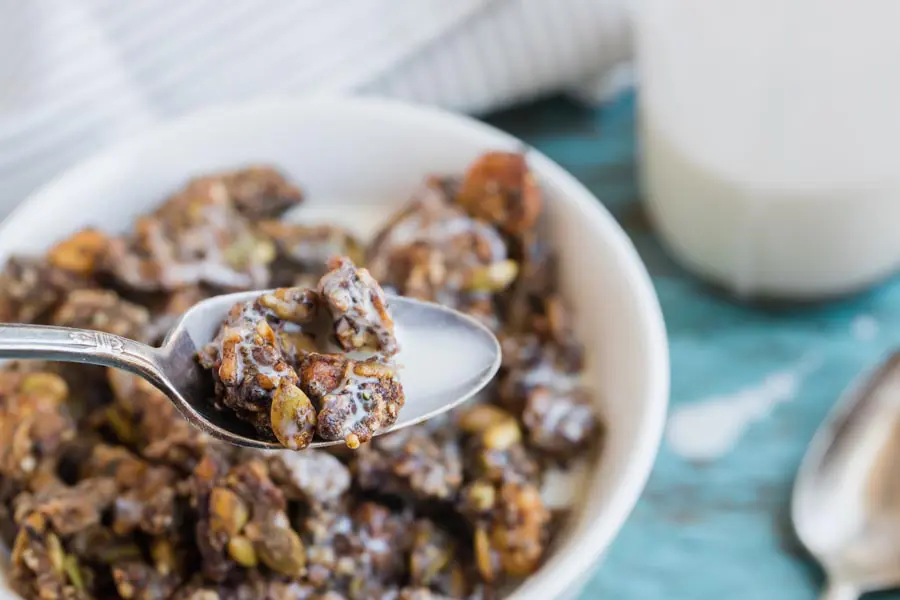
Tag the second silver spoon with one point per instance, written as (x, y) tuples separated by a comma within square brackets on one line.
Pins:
[(846, 502)]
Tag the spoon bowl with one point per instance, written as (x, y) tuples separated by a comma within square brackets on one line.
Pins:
[(846, 498), (445, 357)]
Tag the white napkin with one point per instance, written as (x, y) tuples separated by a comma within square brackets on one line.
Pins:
[(79, 74)]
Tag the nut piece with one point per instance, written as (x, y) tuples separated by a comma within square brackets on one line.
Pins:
[(55, 552), (291, 304), (481, 496), (80, 253), (280, 549), (501, 190), (49, 386), (73, 572)]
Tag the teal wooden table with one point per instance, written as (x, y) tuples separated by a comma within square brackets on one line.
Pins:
[(716, 527)]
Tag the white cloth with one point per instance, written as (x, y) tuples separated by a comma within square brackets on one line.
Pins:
[(78, 74)]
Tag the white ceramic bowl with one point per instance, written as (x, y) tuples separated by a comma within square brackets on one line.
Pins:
[(360, 159)]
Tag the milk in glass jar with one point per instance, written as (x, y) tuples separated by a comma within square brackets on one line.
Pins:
[(770, 140)]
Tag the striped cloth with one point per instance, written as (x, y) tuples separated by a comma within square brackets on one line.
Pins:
[(78, 74)]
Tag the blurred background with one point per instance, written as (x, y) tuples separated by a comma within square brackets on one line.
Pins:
[(749, 148)]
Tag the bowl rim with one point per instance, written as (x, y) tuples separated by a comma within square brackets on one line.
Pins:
[(571, 561)]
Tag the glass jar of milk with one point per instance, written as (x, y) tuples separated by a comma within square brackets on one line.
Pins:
[(770, 137)]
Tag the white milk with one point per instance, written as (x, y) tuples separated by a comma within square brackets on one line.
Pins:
[(770, 134)]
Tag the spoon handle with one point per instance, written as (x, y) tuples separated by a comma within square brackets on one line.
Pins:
[(80, 346), (839, 590)]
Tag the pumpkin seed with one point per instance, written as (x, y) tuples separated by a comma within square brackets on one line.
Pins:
[(240, 549), (502, 435), (228, 513), (281, 550), (73, 572), (293, 416), (55, 552), (492, 278)]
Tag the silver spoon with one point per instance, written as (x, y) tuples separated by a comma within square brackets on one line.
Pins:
[(446, 357), (846, 500)]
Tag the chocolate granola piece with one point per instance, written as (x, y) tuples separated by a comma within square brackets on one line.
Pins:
[(137, 580), (435, 561), (510, 530), (34, 423), (495, 449), (86, 385), (434, 251), (243, 524), (146, 497), (415, 463), (69, 509), (143, 418), (39, 563), (500, 189), (259, 192), (313, 476), (303, 251), (251, 360), (357, 398), (197, 236), (358, 555), (30, 288), (358, 309), (258, 351), (560, 423), (103, 310), (542, 382)]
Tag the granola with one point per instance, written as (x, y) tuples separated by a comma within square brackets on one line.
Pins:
[(106, 492), (265, 371)]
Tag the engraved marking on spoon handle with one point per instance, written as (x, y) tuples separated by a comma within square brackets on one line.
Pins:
[(99, 340)]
